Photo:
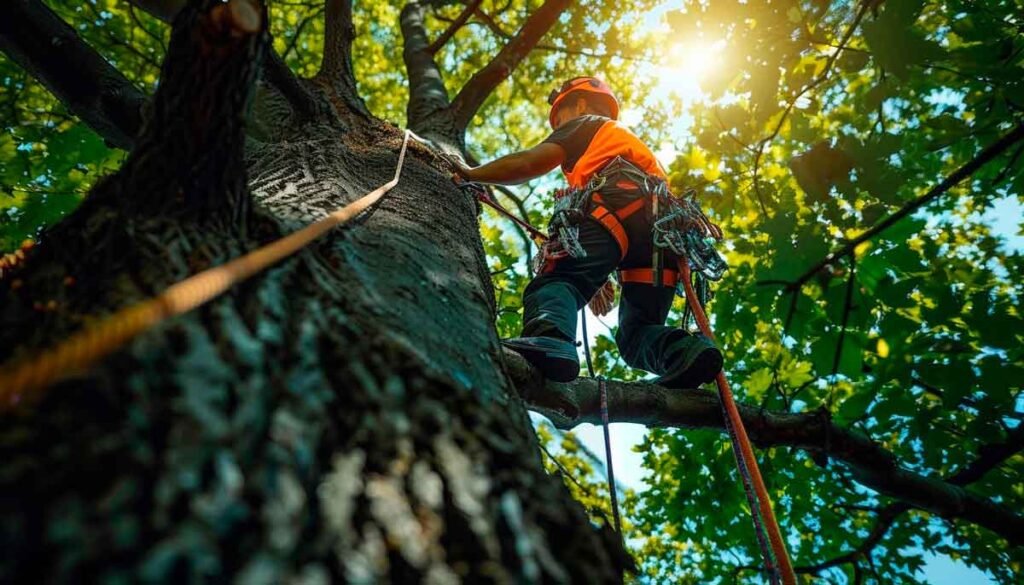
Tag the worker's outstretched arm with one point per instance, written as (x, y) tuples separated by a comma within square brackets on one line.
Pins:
[(517, 167)]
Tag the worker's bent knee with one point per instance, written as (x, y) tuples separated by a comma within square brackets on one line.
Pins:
[(625, 339)]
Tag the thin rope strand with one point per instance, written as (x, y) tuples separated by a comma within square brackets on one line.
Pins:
[(741, 443), (604, 420)]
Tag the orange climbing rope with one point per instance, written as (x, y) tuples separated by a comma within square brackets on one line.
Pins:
[(83, 349), (753, 484)]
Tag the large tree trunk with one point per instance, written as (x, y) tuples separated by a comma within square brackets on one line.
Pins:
[(343, 416)]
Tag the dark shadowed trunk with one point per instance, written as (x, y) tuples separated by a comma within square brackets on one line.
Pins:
[(343, 416)]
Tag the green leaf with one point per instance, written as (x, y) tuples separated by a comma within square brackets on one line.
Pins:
[(894, 42), (853, 407)]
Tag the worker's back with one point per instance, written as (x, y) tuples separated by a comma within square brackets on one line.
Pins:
[(591, 142)]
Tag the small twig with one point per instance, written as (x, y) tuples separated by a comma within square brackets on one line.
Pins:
[(985, 156), (454, 27), (847, 307), (293, 42), (792, 101)]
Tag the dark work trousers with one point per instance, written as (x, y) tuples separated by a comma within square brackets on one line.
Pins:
[(553, 299)]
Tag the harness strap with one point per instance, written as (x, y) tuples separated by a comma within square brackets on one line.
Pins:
[(669, 277), (612, 221)]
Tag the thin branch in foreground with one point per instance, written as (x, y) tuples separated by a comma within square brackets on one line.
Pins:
[(476, 90), (847, 307), (992, 151), (35, 38)]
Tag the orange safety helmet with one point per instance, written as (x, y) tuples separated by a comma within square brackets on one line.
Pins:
[(590, 84)]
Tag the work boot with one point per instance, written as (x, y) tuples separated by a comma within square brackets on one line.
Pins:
[(694, 360), (555, 358)]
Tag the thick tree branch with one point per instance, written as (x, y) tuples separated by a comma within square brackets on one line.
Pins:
[(336, 67), (49, 49), (195, 134), (277, 73), (275, 70), (992, 151), (989, 457), (472, 96), (428, 111), (568, 405), (454, 27)]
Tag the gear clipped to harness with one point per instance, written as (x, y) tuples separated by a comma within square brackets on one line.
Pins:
[(685, 229)]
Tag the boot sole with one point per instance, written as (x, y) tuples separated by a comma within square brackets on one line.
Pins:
[(555, 367)]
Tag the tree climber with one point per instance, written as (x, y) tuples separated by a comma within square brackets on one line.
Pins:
[(602, 222)]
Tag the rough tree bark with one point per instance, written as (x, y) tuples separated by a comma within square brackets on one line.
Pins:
[(343, 417)]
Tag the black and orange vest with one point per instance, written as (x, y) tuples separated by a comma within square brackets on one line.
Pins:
[(590, 142)]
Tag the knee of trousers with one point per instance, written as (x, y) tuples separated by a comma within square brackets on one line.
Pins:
[(627, 341), (551, 305)]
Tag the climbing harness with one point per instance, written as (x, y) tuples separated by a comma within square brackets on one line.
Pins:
[(483, 196), (86, 347)]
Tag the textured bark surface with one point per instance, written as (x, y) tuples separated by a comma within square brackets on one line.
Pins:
[(342, 417)]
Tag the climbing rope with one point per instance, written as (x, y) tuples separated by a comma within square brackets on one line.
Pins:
[(565, 473), (603, 389), (775, 554), (83, 349), (484, 196), (9, 262)]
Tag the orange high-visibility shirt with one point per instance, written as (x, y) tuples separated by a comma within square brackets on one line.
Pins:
[(590, 142)]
